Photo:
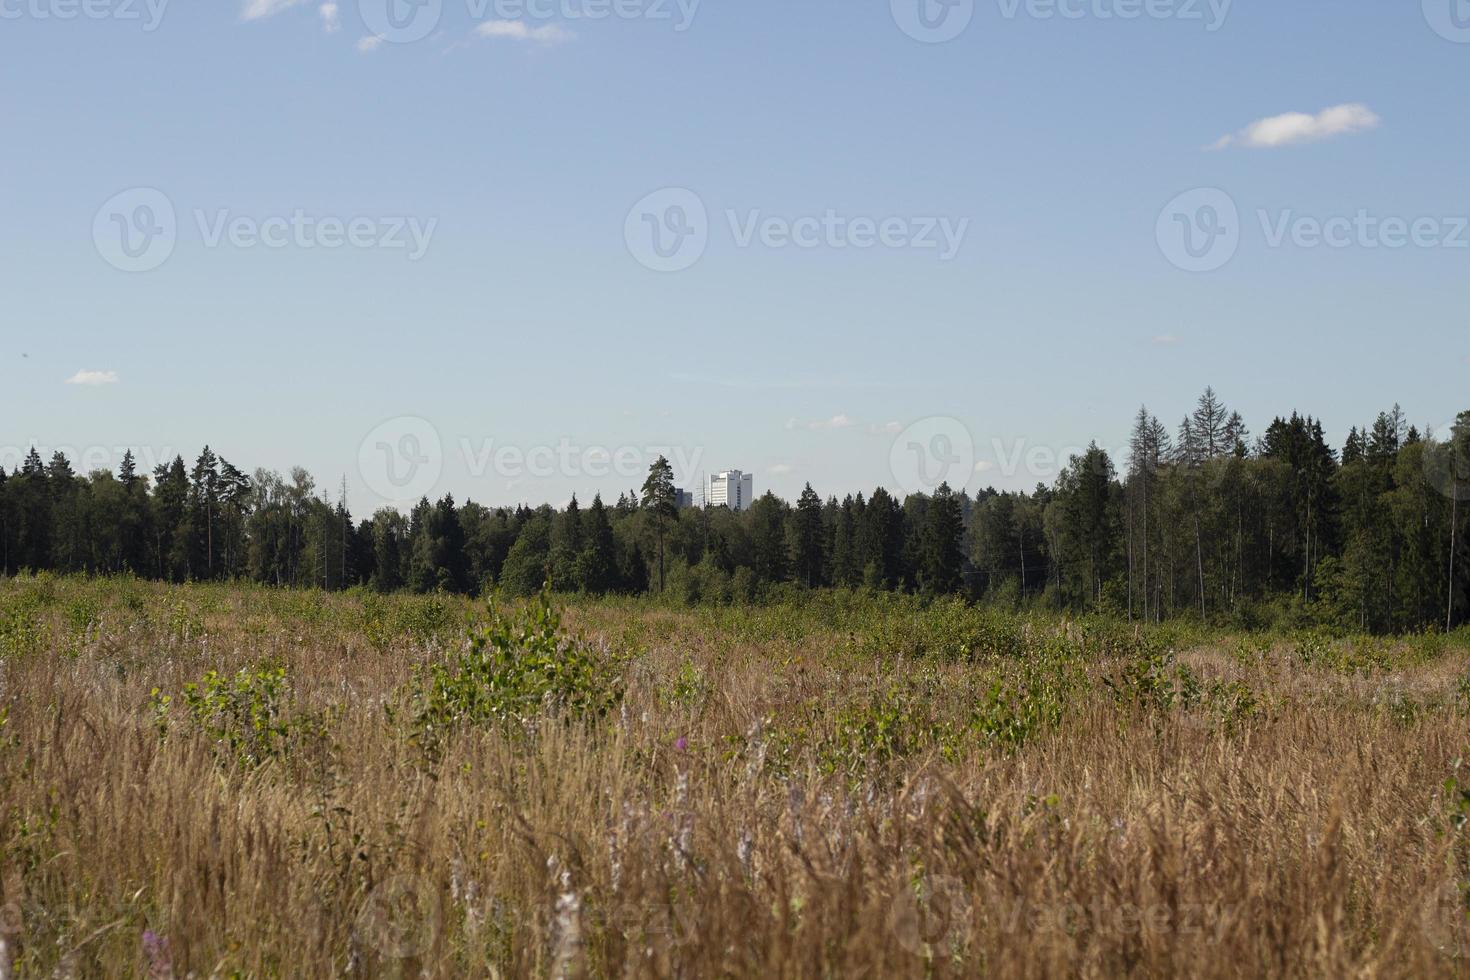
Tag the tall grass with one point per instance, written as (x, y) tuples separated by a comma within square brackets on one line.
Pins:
[(232, 781)]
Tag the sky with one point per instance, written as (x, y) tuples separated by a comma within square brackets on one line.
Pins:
[(515, 249)]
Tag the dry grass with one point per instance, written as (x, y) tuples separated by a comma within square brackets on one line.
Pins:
[(771, 800)]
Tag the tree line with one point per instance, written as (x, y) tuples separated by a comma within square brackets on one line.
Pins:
[(1203, 521)]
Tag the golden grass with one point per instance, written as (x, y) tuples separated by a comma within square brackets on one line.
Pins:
[(1305, 831)]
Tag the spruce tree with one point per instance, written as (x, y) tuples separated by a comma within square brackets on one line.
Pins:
[(658, 501), (807, 545)]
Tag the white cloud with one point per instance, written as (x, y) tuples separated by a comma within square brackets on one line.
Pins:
[(1300, 127), (261, 9), (519, 30), (886, 429), (369, 44), (85, 377), (817, 425), (1165, 340), (780, 469), (984, 466), (331, 17)]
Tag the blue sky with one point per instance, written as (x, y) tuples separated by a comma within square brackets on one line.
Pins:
[(519, 144)]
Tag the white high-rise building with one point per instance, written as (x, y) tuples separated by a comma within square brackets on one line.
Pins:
[(732, 489)]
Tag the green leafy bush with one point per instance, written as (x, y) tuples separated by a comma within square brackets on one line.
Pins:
[(246, 714), (517, 667)]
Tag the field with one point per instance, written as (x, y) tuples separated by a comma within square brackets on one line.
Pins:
[(234, 781)]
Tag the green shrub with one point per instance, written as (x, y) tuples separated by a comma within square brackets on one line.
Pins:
[(1029, 701), (246, 715), (516, 668)]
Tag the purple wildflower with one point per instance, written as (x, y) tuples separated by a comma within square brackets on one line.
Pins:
[(160, 963)]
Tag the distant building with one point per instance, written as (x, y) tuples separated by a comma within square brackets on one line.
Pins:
[(683, 499), (732, 489)]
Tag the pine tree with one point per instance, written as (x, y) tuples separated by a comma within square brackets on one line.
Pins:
[(566, 548), (768, 539), (388, 531), (659, 503), (941, 563), (1459, 489), (807, 545), (597, 565), (845, 571)]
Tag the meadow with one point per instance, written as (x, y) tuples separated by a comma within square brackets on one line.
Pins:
[(233, 781)]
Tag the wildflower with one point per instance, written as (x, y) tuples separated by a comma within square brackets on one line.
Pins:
[(745, 849), (155, 949), (567, 930)]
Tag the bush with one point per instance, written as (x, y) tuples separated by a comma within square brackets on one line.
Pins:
[(516, 668), (246, 715)]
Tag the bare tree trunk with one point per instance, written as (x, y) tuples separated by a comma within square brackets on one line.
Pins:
[(1130, 558), (1449, 616), (1307, 554), (1199, 557), (1145, 547), (1021, 537)]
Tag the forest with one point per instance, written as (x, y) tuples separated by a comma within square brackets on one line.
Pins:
[(1205, 521)]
